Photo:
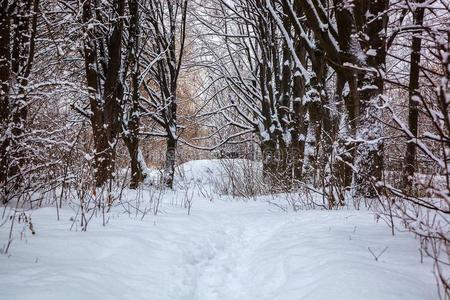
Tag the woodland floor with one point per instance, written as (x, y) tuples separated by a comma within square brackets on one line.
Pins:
[(225, 249)]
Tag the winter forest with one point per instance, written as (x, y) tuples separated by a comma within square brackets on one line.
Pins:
[(225, 149)]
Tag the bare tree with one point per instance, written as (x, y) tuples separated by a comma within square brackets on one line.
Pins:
[(414, 93), (18, 25), (167, 20), (131, 116), (102, 51)]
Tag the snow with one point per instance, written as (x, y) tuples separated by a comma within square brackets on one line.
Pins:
[(371, 52), (227, 248), (202, 171)]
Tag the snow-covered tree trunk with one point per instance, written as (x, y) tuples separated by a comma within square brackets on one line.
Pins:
[(355, 48), (369, 133), (410, 163), (18, 29), (131, 122), (5, 59), (312, 139), (5, 71), (131, 136), (299, 128), (103, 65), (169, 164), (167, 21)]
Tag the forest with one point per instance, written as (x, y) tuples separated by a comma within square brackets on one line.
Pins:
[(225, 149)]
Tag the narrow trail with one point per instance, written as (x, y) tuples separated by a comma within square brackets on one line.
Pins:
[(254, 253), (221, 262)]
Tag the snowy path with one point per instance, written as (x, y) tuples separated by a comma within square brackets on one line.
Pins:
[(221, 260), (223, 250)]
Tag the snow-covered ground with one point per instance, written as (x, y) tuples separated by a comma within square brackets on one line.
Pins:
[(225, 249)]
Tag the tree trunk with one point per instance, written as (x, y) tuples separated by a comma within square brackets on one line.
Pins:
[(5, 70), (104, 100), (103, 158), (5, 60), (268, 150), (131, 137), (369, 155), (18, 29), (169, 166), (413, 112), (298, 138), (131, 134), (137, 162), (312, 140)]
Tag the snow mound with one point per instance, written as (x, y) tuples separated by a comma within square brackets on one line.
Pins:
[(206, 171), (203, 171)]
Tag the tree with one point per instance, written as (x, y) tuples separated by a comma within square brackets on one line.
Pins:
[(355, 48), (131, 120), (104, 77), (414, 93), (18, 29), (168, 23), (267, 85)]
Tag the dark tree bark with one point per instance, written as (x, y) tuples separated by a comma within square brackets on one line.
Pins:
[(369, 157), (414, 94), (270, 166), (168, 23), (169, 165), (104, 95), (5, 73), (366, 20), (5, 59), (299, 121), (130, 135), (18, 29)]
